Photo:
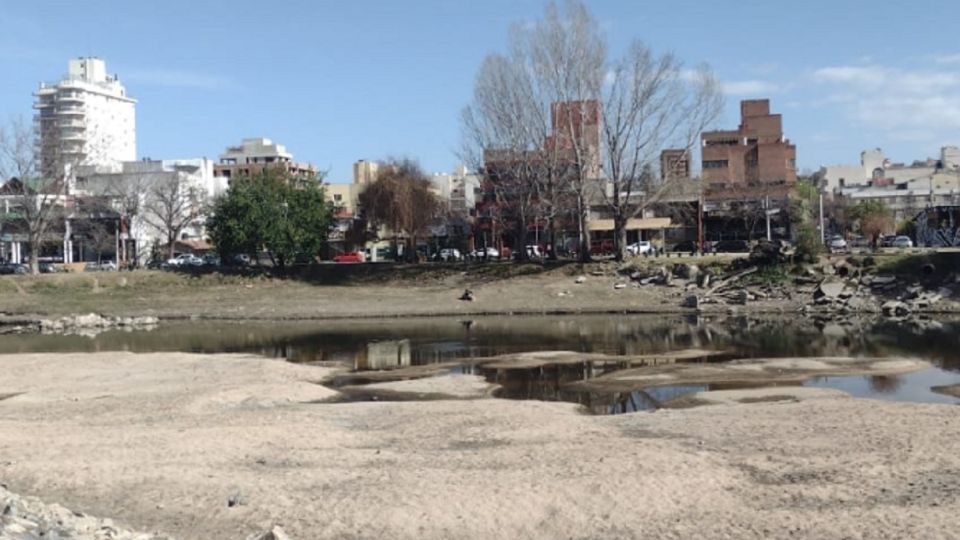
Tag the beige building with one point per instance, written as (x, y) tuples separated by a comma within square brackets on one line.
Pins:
[(254, 155), (365, 172)]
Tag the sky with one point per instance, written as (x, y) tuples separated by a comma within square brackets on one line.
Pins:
[(338, 81)]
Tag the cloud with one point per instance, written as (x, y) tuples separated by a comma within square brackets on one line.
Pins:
[(749, 87), (176, 78), (904, 102), (947, 59)]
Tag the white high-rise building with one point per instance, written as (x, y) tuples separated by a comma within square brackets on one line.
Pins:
[(87, 118)]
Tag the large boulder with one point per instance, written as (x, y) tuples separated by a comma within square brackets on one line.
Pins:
[(895, 308), (830, 290)]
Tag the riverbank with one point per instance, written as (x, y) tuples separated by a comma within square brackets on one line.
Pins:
[(366, 291), (222, 446)]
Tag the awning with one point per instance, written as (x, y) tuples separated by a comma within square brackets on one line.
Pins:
[(633, 224)]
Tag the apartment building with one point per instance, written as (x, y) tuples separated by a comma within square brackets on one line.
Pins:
[(252, 156), (755, 154), (86, 118)]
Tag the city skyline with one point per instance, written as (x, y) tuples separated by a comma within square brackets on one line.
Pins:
[(337, 83)]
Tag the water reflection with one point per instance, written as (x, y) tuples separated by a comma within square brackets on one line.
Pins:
[(397, 343)]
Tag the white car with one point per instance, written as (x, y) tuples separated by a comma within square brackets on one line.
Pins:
[(640, 248), (185, 259), (902, 242), (837, 243), (534, 252), (450, 254), (491, 253)]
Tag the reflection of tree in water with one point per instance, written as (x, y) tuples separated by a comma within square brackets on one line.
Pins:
[(885, 384)]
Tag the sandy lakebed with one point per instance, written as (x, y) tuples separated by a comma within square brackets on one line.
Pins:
[(223, 446)]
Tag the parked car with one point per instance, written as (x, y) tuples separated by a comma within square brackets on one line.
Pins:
[(902, 242), (534, 252), (211, 260), (688, 246), (887, 241), (490, 252), (837, 243), (450, 254), (349, 257), (642, 247), (105, 266), (48, 268), (731, 246), (13, 268), (602, 247), (185, 259)]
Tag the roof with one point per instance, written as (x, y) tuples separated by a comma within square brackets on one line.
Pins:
[(633, 224)]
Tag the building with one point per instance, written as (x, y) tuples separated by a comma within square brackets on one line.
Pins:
[(252, 156), (86, 118), (458, 189), (365, 172), (876, 171), (755, 154), (674, 164), (136, 184)]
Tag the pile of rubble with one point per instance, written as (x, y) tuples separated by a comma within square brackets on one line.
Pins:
[(93, 322)]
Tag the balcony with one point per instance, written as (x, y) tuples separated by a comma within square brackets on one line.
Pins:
[(73, 136), (70, 97), (70, 110), (70, 123)]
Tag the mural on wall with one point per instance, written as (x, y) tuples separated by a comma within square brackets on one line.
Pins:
[(938, 226)]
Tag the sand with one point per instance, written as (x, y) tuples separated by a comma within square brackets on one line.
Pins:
[(162, 442)]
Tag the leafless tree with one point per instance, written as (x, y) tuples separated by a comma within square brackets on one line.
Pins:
[(650, 104), (401, 199), (128, 193), (172, 205), (36, 189)]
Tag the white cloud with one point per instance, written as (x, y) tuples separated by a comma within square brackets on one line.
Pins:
[(177, 78), (749, 87), (947, 59), (905, 102)]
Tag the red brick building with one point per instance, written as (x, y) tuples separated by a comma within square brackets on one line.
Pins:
[(753, 155)]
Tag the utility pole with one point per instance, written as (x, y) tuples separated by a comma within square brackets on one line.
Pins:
[(822, 232)]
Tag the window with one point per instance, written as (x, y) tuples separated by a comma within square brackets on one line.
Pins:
[(337, 197), (715, 164)]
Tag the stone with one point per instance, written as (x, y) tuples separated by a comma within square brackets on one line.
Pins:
[(691, 301), (275, 533), (704, 280), (619, 286), (829, 289), (895, 308), (688, 271), (580, 279), (467, 295), (236, 500), (881, 281), (740, 296)]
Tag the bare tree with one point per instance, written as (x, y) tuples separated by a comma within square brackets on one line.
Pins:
[(128, 193), (172, 205), (400, 199), (36, 189), (650, 104)]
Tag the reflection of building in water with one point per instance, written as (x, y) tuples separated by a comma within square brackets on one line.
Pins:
[(384, 355)]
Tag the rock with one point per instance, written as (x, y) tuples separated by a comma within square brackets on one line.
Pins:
[(882, 281), (691, 301), (275, 533), (740, 296), (580, 279), (688, 271), (829, 289), (704, 280), (895, 308), (236, 500), (636, 276), (467, 295), (619, 286)]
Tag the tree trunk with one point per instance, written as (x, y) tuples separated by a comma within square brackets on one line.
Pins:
[(34, 242), (583, 231), (620, 237), (170, 246)]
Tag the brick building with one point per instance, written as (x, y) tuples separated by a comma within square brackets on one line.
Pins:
[(755, 154)]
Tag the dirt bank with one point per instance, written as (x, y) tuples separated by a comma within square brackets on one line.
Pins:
[(222, 446)]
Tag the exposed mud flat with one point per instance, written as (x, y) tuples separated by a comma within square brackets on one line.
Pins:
[(224, 446)]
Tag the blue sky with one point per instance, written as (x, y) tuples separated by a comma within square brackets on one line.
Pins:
[(337, 81)]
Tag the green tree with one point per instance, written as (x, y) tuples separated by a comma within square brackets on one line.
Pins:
[(803, 218), (273, 211)]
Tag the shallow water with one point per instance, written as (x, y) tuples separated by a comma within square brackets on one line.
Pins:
[(395, 343)]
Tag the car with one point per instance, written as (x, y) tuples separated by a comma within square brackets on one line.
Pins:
[(731, 246), (534, 252), (602, 247), (837, 243), (642, 247), (886, 241), (185, 259), (14, 268), (450, 254), (488, 252), (902, 242), (48, 268), (688, 246), (211, 260), (349, 257)]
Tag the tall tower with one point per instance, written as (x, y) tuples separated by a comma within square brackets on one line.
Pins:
[(84, 119)]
